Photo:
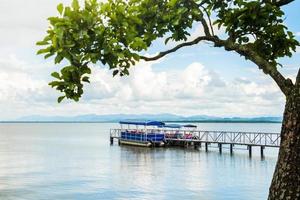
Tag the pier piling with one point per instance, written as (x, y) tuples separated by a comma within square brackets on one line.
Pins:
[(111, 140), (197, 145), (220, 148), (185, 144), (250, 150), (206, 147), (231, 149), (262, 151)]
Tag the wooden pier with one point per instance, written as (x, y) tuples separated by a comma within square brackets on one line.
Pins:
[(196, 138)]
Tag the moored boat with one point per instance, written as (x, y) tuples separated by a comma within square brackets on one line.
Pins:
[(145, 133)]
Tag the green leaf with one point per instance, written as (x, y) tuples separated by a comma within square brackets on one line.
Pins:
[(48, 55), (53, 20), (125, 71), (75, 5), (41, 51), (136, 57), (60, 99), (60, 8), (172, 3), (115, 72), (58, 59), (56, 75), (55, 84), (40, 43), (86, 79), (86, 70)]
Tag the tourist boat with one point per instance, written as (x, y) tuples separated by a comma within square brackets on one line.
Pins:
[(173, 131), (144, 133), (189, 127), (177, 131)]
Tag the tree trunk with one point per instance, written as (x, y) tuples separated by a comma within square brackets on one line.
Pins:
[(286, 179)]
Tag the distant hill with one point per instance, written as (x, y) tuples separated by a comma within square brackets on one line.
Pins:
[(159, 117)]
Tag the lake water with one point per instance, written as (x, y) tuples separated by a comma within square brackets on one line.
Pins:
[(76, 161)]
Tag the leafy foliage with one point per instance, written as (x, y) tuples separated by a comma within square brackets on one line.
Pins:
[(115, 32), (258, 24)]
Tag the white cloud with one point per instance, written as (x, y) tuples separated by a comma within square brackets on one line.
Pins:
[(194, 90), (147, 85), (15, 80)]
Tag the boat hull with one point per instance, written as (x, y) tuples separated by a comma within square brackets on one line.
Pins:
[(141, 143), (135, 143)]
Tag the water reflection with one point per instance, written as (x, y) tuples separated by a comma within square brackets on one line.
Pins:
[(75, 161), (193, 174)]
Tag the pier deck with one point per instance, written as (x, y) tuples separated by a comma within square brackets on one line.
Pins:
[(197, 137)]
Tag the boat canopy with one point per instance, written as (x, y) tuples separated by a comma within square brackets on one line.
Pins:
[(190, 126), (143, 123), (171, 126)]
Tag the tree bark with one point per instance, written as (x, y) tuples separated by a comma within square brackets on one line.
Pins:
[(286, 179)]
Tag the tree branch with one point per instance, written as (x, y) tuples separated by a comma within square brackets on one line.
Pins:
[(285, 84), (164, 53), (205, 26), (207, 37), (210, 24)]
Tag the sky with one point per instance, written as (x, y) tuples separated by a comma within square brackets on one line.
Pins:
[(199, 80)]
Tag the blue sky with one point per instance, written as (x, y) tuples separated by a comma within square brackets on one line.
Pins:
[(195, 80)]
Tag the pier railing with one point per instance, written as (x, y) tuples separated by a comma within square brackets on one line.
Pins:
[(219, 137), (115, 133), (242, 138)]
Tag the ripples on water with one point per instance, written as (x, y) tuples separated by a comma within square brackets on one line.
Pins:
[(75, 161)]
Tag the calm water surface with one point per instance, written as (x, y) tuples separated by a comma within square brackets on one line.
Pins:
[(75, 161)]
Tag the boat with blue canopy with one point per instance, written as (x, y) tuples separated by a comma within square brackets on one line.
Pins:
[(145, 133), (178, 131), (172, 130)]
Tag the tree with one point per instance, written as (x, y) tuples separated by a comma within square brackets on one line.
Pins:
[(116, 33)]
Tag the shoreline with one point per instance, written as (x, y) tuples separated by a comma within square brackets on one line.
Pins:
[(95, 122)]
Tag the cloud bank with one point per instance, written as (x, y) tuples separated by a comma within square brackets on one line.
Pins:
[(194, 90)]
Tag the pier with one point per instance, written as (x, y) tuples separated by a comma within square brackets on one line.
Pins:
[(196, 138)]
